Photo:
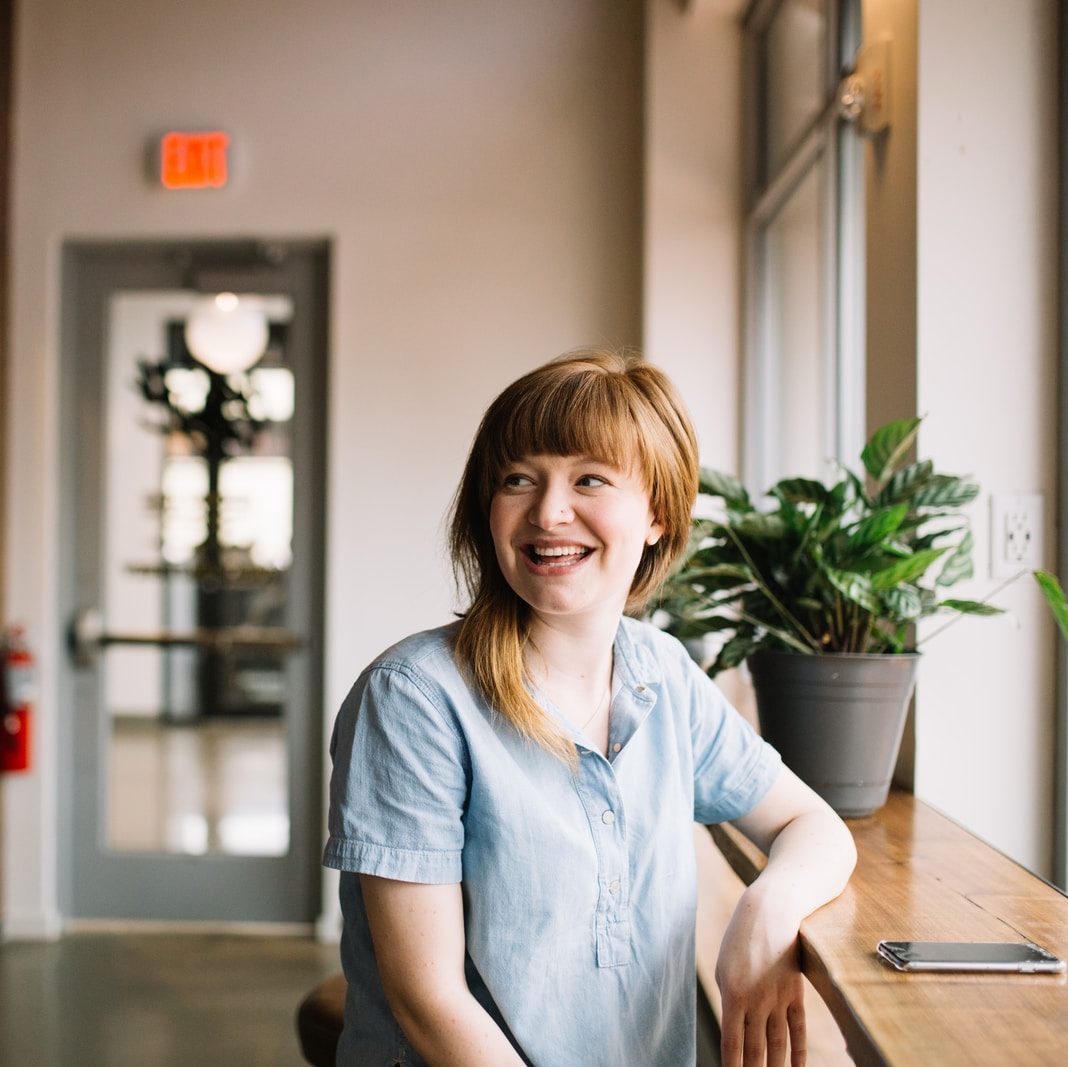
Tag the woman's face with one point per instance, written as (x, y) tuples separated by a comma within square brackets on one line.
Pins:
[(569, 533)]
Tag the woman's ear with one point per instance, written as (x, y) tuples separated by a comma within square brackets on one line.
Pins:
[(656, 531)]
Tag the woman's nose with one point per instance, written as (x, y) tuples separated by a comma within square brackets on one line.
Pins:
[(551, 507)]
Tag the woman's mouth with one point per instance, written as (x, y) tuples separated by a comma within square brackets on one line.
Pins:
[(557, 556)]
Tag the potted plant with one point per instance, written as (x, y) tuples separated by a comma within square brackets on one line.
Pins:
[(820, 595)]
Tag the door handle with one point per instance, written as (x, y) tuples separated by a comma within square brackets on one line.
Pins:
[(86, 635)]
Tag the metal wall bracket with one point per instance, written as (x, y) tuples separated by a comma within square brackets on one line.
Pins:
[(864, 95)]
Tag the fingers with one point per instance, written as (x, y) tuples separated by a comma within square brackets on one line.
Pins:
[(756, 1040), (776, 1030), (732, 1039), (795, 1020)]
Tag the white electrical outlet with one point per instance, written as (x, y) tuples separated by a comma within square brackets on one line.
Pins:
[(1015, 533)]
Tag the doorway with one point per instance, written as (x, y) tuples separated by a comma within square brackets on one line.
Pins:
[(193, 397)]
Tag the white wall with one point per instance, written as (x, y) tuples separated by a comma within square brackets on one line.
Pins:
[(986, 377), (693, 211), (477, 167)]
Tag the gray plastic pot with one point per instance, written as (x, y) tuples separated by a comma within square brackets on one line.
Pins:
[(836, 719)]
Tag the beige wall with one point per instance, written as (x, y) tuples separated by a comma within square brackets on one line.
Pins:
[(693, 211), (986, 378), (477, 167)]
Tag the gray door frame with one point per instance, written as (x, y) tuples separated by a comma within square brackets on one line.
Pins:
[(93, 881)]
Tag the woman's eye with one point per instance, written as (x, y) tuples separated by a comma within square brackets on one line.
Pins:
[(591, 481), (514, 481)]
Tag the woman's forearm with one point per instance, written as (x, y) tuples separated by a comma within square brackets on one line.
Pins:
[(454, 1030), (809, 863), (418, 934)]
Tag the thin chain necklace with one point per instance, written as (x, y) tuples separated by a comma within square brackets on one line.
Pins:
[(600, 707), (605, 700)]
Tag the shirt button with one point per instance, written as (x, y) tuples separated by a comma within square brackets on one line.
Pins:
[(613, 886), (640, 689), (616, 747), (608, 817)]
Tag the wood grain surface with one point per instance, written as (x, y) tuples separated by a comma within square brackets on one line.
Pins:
[(922, 877)]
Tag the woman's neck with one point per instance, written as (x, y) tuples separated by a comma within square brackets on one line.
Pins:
[(569, 658)]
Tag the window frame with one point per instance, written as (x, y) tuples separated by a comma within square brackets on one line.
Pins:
[(830, 143)]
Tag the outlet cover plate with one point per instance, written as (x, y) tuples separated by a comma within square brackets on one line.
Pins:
[(1015, 533)]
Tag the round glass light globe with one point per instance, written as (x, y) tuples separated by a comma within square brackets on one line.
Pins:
[(227, 335)]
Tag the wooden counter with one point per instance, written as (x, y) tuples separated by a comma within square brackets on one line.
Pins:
[(922, 877)]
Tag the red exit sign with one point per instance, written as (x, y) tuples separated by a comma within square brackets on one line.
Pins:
[(194, 160)]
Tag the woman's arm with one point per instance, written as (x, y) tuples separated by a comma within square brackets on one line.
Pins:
[(810, 857), (418, 934)]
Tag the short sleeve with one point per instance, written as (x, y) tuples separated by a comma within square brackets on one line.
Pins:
[(733, 766), (399, 781)]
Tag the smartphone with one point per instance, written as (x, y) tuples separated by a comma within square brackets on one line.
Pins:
[(1022, 956)]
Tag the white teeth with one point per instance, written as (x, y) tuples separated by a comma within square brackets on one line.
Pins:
[(569, 550)]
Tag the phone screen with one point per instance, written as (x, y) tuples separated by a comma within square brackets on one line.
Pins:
[(968, 955)]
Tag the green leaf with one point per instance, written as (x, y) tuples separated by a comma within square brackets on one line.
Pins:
[(927, 540), (853, 482), (945, 491), (718, 570), (688, 628), (904, 483), (971, 607), (875, 527), (959, 565), (1054, 594), (888, 447), (801, 491), (906, 570), (760, 527), (716, 483), (735, 651), (902, 602), (897, 548), (854, 587)]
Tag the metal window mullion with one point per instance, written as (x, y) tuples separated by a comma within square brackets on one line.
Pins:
[(850, 288), (829, 302), (761, 427)]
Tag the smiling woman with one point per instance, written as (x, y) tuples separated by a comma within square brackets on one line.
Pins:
[(622, 418), (513, 795)]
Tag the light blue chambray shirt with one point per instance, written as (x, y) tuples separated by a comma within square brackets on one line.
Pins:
[(579, 887)]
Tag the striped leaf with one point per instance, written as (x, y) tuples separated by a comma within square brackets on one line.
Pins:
[(959, 565), (945, 491), (760, 527), (904, 483), (878, 525), (1054, 594), (800, 491), (971, 607), (903, 602), (734, 651), (887, 448), (854, 587), (716, 483), (906, 570)]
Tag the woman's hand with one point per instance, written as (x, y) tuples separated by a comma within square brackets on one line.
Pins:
[(761, 987), (810, 857)]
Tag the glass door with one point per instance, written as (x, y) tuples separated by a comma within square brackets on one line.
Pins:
[(194, 538)]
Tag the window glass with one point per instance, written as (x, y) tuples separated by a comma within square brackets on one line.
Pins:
[(794, 89), (795, 350)]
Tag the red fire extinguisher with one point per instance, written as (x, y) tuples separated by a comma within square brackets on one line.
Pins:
[(17, 693)]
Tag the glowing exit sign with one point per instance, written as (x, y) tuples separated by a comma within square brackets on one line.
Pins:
[(193, 160)]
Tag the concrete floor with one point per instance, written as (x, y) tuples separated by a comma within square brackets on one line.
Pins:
[(195, 1000)]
